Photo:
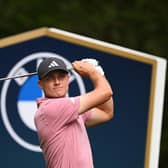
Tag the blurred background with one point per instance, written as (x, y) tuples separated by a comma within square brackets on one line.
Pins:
[(140, 25)]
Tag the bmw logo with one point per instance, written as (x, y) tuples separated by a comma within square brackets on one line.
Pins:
[(18, 99)]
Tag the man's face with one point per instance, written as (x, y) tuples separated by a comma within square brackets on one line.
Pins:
[(55, 84)]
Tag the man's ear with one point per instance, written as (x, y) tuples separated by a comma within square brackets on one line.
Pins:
[(69, 77)]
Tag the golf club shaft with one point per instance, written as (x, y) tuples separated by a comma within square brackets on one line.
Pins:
[(18, 76), (23, 75), (94, 62)]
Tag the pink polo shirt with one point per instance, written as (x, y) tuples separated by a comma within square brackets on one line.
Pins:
[(62, 133)]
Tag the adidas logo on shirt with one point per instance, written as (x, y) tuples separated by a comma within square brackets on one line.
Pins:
[(53, 64)]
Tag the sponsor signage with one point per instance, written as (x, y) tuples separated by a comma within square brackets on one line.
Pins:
[(131, 139)]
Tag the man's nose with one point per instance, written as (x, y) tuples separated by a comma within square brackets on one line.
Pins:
[(56, 81)]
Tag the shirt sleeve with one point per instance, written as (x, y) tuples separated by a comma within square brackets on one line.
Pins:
[(62, 111), (86, 115)]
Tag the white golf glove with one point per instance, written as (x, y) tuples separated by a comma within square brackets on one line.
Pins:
[(95, 63), (92, 61), (100, 70)]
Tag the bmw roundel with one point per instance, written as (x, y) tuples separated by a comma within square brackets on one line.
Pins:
[(18, 108)]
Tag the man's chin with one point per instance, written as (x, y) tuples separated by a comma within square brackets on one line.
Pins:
[(56, 96)]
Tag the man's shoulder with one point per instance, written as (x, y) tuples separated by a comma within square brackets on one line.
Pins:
[(62, 100)]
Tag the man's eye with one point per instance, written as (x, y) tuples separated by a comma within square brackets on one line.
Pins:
[(62, 75), (48, 78)]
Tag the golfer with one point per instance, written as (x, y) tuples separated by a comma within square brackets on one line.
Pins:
[(61, 121)]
